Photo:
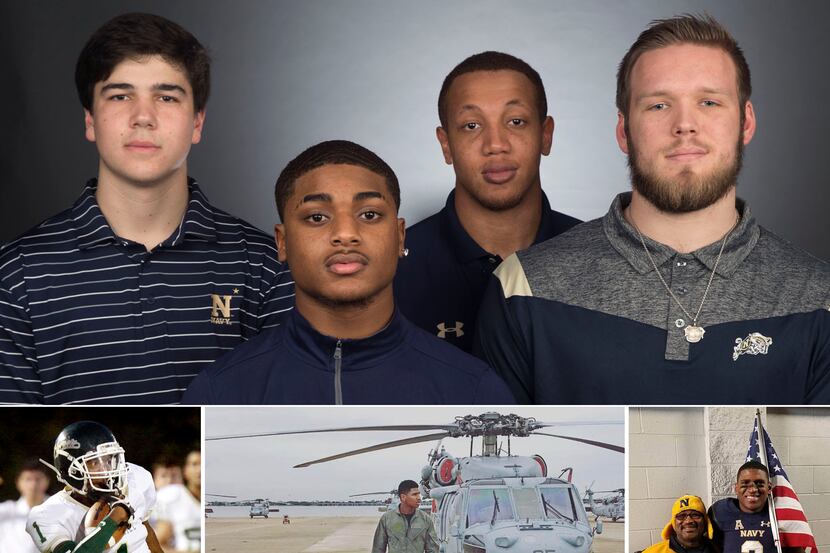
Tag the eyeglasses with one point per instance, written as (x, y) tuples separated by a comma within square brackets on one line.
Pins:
[(694, 515)]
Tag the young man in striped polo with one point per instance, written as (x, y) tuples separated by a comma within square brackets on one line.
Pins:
[(131, 292)]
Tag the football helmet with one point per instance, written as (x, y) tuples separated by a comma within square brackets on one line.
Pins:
[(89, 460)]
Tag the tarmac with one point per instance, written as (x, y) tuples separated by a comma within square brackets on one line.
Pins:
[(330, 535)]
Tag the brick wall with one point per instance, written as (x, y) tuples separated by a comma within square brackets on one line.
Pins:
[(674, 451), (667, 459), (801, 437)]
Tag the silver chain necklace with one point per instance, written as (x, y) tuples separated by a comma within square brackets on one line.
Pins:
[(693, 332)]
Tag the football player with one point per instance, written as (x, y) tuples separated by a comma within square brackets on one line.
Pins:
[(106, 501), (166, 471), (742, 524), (179, 509), (32, 482)]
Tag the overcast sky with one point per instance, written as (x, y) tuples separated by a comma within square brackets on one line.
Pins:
[(261, 467)]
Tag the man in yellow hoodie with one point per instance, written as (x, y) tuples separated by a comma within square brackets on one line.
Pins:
[(688, 531)]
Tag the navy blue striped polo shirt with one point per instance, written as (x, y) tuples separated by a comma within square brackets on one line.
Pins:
[(88, 317)]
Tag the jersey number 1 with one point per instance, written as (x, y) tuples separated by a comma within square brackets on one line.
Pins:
[(39, 533)]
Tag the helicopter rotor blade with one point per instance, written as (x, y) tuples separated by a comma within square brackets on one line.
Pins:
[(603, 445), (454, 426), (588, 489), (445, 427), (219, 495), (385, 445), (541, 424), (387, 492)]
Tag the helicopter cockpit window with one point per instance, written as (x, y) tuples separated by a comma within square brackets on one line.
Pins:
[(486, 505), (558, 503), (528, 505)]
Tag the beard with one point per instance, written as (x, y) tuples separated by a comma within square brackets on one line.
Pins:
[(687, 191)]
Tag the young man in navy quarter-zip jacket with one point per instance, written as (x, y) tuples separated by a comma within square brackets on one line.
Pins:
[(345, 342)]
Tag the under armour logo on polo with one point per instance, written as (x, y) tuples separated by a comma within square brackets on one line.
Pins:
[(443, 329), (765, 523), (220, 311)]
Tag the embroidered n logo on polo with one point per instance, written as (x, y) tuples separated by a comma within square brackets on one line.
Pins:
[(754, 344), (220, 312), (443, 329)]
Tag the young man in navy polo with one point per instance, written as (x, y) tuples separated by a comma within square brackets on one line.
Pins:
[(127, 295), (494, 130), (345, 342)]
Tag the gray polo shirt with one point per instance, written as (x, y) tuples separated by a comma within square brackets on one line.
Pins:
[(583, 318)]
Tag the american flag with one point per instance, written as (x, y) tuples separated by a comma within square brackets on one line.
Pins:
[(792, 524)]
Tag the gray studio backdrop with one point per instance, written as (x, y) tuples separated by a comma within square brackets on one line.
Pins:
[(288, 74)]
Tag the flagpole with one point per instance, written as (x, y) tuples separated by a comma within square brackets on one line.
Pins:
[(762, 452)]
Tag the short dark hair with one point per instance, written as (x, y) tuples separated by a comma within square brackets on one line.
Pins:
[(703, 30), (752, 465), (332, 152), (34, 465), (492, 61), (165, 461), (405, 486), (137, 35)]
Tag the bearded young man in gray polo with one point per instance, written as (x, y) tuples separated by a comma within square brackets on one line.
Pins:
[(677, 295)]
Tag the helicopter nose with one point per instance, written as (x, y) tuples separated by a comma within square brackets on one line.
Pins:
[(560, 544), (576, 541)]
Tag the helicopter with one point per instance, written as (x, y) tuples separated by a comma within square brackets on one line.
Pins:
[(493, 500), (208, 509), (612, 507), (260, 508)]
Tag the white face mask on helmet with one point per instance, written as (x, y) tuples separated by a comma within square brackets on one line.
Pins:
[(103, 470)]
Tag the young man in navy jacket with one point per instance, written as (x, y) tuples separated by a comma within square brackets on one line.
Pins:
[(345, 342)]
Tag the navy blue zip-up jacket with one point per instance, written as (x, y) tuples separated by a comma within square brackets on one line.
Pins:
[(295, 364)]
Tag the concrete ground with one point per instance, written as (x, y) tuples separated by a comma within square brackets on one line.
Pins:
[(329, 534)]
